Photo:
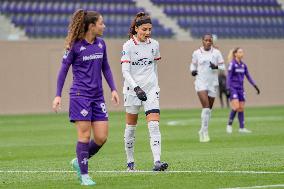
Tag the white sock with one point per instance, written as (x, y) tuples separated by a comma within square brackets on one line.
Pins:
[(205, 117), (129, 141), (155, 139)]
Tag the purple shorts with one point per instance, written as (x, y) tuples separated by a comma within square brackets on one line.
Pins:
[(84, 109), (238, 94)]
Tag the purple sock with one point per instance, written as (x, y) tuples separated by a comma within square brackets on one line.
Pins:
[(93, 148), (232, 116), (241, 119), (82, 151)]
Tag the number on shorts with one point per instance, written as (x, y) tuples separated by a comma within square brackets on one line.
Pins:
[(103, 106)]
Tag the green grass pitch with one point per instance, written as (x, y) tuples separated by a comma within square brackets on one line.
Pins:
[(46, 143)]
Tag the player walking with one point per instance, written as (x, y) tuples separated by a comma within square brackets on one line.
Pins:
[(139, 68), (86, 52), (206, 61)]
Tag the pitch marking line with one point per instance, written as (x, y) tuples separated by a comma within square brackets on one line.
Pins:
[(65, 171), (264, 186)]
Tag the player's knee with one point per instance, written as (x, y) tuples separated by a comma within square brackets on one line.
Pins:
[(153, 115)]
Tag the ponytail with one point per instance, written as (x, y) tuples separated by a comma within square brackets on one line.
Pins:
[(232, 53), (79, 26), (140, 18)]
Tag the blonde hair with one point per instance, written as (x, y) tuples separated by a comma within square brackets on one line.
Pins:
[(78, 26), (232, 53)]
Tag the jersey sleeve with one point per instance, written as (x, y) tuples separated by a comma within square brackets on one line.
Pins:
[(157, 53), (194, 60), (220, 61), (107, 70), (252, 82), (126, 56), (67, 60), (229, 75)]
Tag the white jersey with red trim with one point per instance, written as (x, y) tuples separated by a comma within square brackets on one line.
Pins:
[(142, 57), (201, 62)]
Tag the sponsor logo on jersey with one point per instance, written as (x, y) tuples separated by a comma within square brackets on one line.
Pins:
[(82, 48), (142, 62), (93, 56), (100, 45), (240, 70)]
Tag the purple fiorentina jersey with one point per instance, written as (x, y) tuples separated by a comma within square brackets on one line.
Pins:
[(236, 73), (88, 62)]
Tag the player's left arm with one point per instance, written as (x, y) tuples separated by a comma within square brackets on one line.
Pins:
[(220, 62), (107, 71), (252, 82)]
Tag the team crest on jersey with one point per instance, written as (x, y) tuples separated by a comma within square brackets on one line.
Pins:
[(100, 45), (66, 54), (82, 48), (84, 112), (123, 53)]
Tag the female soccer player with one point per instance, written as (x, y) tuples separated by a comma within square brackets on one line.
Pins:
[(86, 52), (139, 68), (235, 85), (205, 63)]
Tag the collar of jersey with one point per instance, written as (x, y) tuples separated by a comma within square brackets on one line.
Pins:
[(202, 49), (87, 43), (236, 62), (136, 42)]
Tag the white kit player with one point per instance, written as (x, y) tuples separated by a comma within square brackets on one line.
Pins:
[(206, 61), (139, 68)]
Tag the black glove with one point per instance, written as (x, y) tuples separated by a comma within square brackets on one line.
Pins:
[(228, 93), (257, 89), (140, 93), (194, 73), (213, 66)]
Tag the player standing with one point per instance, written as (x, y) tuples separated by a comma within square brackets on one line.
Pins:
[(86, 52), (206, 61), (139, 68), (235, 84)]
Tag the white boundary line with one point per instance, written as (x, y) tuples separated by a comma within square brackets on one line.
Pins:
[(264, 186), (141, 171)]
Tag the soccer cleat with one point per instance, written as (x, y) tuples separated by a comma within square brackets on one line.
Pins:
[(87, 181), (75, 166), (206, 137), (131, 167), (203, 136), (244, 130), (229, 129), (160, 166)]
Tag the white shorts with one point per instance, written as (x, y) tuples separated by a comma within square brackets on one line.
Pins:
[(211, 89), (151, 105)]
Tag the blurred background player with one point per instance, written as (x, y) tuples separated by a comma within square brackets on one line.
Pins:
[(221, 78), (139, 68), (86, 52), (223, 88), (235, 84), (206, 61)]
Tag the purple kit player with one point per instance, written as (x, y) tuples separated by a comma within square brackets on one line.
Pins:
[(235, 86), (86, 52)]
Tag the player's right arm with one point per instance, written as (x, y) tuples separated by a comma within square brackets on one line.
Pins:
[(66, 62), (193, 65), (229, 77), (126, 63)]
